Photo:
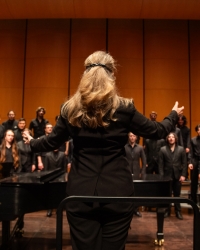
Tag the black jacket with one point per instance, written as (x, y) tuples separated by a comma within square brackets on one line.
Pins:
[(99, 165), (38, 127), (2, 131), (134, 155), (18, 135), (194, 154), (172, 164), (10, 124), (27, 157), (55, 160), (152, 149)]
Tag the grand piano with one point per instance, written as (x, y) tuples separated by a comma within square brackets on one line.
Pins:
[(28, 192)]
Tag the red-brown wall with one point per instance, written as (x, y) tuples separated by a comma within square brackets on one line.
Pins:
[(41, 62)]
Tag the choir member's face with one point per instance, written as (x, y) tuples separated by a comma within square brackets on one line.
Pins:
[(198, 131), (11, 115), (48, 129), (9, 136), (21, 125), (171, 139), (41, 113), (132, 138), (180, 121)]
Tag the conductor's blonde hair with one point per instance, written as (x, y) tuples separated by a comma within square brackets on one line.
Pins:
[(96, 98)]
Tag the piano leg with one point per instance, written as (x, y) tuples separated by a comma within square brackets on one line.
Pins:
[(5, 234), (160, 222), (18, 228), (17, 231)]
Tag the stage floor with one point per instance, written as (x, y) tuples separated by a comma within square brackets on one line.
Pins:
[(40, 232)]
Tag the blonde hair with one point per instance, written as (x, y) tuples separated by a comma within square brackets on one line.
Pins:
[(14, 149), (96, 98)]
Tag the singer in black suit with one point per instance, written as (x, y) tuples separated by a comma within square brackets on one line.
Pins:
[(152, 149), (55, 159), (173, 164), (27, 157), (194, 163), (2, 131), (135, 155), (98, 121)]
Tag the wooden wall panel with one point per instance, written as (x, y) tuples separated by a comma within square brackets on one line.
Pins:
[(135, 9), (166, 66), (52, 55), (87, 37), (12, 44), (47, 66), (125, 43), (195, 73)]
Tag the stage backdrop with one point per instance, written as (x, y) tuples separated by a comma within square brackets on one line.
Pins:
[(41, 63)]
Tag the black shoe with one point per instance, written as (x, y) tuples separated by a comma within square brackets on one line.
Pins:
[(166, 214), (49, 213), (179, 215), (138, 214)]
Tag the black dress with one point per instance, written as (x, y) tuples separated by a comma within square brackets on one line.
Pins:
[(7, 167)]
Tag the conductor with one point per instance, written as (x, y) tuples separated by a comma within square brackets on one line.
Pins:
[(99, 120)]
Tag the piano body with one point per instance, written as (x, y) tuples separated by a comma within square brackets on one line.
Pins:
[(153, 185), (29, 192)]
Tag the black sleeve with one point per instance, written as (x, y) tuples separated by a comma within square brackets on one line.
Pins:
[(2, 130), (30, 126), (161, 163), (184, 162), (188, 139), (59, 135), (140, 125)]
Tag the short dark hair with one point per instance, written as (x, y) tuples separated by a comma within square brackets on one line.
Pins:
[(184, 119), (132, 133), (21, 119), (39, 108), (197, 127)]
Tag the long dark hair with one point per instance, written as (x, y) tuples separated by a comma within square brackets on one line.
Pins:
[(14, 149), (184, 119), (175, 136)]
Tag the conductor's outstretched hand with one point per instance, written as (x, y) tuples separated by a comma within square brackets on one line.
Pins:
[(177, 109)]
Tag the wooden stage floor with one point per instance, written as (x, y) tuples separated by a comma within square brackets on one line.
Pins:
[(40, 232)]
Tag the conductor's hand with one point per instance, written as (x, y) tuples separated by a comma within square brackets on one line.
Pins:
[(26, 137), (190, 166), (177, 109)]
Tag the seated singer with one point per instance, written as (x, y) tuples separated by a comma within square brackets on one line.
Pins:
[(98, 120)]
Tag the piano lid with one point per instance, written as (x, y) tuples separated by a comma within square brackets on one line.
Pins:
[(35, 177), (151, 178)]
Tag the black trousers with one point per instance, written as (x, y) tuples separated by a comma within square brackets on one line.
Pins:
[(194, 182), (176, 191), (152, 167), (99, 226)]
